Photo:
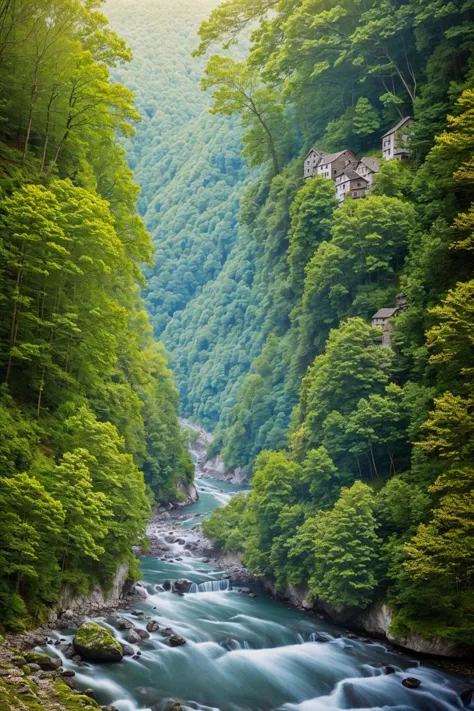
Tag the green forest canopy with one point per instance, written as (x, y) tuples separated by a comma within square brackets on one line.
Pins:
[(88, 409), (348, 440)]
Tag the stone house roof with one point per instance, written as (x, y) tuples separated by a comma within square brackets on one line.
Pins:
[(313, 150), (399, 125), (385, 313), (351, 174), (331, 157), (371, 163)]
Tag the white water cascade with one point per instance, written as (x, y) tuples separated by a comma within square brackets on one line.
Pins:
[(249, 653), (210, 586)]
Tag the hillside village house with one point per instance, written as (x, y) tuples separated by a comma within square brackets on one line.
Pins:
[(394, 141), (353, 177), (350, 184), (366, 167), (383, 319)]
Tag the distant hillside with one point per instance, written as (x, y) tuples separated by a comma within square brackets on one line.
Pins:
[(187, 161)]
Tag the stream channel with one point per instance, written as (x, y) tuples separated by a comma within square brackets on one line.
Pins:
[(252, 654)]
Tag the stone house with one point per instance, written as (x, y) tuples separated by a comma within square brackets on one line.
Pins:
[(350, 184), (367, 167), (332, 165), (382, 319), (328, 165), (311, 162), (394, 141)]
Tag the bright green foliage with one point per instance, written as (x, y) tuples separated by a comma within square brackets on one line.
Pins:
[(31, 522), (226, 525), (311, 214), (366, 120), (87, 406), (372, 497), (346, 549)]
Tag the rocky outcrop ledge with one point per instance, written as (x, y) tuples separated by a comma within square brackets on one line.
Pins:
[(376, 620)]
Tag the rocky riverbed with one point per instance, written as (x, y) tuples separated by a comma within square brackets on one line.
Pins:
[(198, 633), (208, 467)]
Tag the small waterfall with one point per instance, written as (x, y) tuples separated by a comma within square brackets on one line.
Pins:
[(210, 586)]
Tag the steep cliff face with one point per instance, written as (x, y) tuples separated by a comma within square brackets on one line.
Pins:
[(97, 598)]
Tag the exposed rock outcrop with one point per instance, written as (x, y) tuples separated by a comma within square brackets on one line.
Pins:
[(376, 620), (210, 467), (97, 599)]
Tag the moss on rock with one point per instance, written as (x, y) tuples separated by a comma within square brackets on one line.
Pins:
[(46, 663), (97, 644)]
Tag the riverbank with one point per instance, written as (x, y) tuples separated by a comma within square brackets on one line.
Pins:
[(169, 540), (250, 649)]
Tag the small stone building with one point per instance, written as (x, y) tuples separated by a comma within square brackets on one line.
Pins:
[(327, 165), (332, 165), (311, 163), (367, 167), (350, 184), (382, 319), (394, 142)]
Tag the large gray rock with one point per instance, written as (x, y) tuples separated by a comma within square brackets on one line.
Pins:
[(182, 585), (133, 637), (122, 623)]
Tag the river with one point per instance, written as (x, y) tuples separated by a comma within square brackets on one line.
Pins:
[(251, 654)]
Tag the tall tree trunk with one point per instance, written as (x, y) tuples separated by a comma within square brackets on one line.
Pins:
[(29, 123)]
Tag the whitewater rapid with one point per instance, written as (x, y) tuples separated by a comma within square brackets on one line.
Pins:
[(250, 654)]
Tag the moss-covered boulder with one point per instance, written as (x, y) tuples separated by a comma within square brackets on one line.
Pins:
[(97, 644), (46, 663)]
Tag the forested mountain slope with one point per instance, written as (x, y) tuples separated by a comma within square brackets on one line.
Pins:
[(370, 496), (88, 409), (190, 169)]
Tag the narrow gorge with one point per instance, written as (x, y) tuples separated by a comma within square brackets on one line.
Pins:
[(236, 348)]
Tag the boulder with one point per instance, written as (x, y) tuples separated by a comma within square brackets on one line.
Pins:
[(133, 637), (466, 696), (176, 640), (44, 662), (167, 585), (97, 644), (176, 706), (167, 632), (68, 673), (152, 626), (122, 624), (143, 634), (411, 682), (182, 585), (388, 669), (128, 650)]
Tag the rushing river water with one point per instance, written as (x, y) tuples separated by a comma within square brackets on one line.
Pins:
[(252, 654)]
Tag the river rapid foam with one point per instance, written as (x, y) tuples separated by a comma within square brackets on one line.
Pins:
[(249, 654)]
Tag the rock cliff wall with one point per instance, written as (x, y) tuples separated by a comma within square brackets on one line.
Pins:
[(97, 599), (376, 620)]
